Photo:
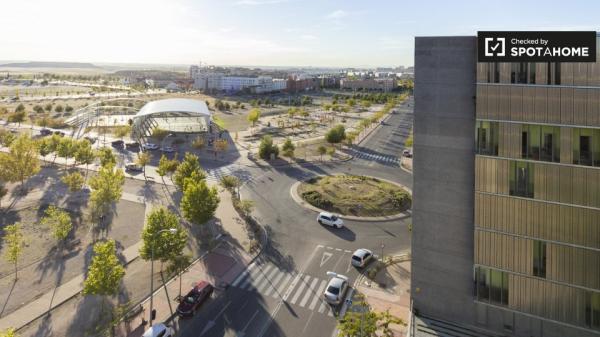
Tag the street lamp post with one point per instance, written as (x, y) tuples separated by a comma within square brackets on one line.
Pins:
[(162, 144), (172, 231)]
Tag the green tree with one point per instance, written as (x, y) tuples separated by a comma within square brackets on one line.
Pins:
[(246, 207), (288, 148), (187, 168), (15, 241), (177, 265), (22, 161), (199, 202), (166, 166), (38, 109), (143, 159), (84, 154), (6, 137), (106, 156), (66, 148), (336, 134), (107, 187), (230, 182), (253, 116), (17, 117), (166, 245), (59, 221), (74, 181), (122, 131), (20, 108), (105, 272), (48, 107), (322, 150), (58, 108), (10, 332), (366, 322), (266, 148)]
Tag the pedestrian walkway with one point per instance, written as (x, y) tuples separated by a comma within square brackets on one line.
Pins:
[(303, 290), (219, 267), (374, 156)]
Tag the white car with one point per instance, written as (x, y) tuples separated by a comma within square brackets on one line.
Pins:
[(150, 146), (336, 288), (361, 257), (159, 330), (329, 219), (168, 149)]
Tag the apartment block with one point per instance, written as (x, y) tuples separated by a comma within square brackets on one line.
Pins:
[(506, 192)]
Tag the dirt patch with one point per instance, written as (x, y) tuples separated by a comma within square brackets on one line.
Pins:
[(355, 195)]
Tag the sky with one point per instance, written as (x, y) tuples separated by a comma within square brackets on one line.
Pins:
[(319, 33)]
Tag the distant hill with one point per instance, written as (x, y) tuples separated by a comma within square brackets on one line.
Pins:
[(50, 65)]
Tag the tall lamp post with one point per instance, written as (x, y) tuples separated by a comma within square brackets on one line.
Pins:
[(162, 143), (172, 231)]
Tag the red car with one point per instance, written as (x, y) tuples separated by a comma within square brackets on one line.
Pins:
[(192, 301)]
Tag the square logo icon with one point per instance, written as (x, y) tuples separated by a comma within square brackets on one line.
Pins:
[(495, 46)]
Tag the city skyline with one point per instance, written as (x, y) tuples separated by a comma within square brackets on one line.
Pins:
[(258, 32)]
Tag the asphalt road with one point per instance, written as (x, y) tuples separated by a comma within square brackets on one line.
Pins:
[(280, 294)]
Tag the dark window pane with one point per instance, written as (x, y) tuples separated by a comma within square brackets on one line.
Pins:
[(539, 259), (496, 286), (531, 73), (483, 290)]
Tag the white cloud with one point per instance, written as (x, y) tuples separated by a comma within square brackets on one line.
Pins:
[(258, 2), (308, 37), (336, 15)]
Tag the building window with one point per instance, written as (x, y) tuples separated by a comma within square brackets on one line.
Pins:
[(540, 142), (491, 285), (557, 73), (539, 258), (531, 73), (521, 179), (586, 147), (493, 74), (486, 138), (592, 310)]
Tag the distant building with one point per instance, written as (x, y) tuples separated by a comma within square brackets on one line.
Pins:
[(205, 79), (301, 83), (370, 84)]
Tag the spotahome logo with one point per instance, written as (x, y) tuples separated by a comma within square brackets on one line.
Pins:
[(536, 46)]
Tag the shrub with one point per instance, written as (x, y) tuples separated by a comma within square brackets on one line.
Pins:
[(336, 134), (288, 148), (401, 198), (316, 199), (267, 148)]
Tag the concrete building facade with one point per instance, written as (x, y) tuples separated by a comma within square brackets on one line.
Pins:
[(506, 193), (376, 84)]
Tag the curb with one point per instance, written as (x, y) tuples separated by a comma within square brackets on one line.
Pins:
[(301, 202), (361, 276)]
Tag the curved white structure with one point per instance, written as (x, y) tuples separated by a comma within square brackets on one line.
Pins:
[(178, 114)]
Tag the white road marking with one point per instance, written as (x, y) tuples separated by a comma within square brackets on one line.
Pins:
[(309, 292), (255, 275), (326, 256), (267, 280), (273, 285), (319, 292), (300, 288), (282, 285)]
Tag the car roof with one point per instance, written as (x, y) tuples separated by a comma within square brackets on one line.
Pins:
[(361, 252), (201, 285), (336, 282), (327, 214), (154, 330)]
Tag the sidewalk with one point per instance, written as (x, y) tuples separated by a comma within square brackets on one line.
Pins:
[(390, 290), (219, 267), (52, 299)]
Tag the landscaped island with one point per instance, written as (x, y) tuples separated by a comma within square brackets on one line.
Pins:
[(355, 195)]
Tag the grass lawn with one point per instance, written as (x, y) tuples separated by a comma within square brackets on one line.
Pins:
[(355, 195)]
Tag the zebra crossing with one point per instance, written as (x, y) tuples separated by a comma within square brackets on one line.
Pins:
[(215, 174), (388, 159), (303, 290)]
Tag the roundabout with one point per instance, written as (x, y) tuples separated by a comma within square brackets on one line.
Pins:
[(354, 197)]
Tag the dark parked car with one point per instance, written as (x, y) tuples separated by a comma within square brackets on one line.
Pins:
[(132, 145), (117, 143), (192, 301), (45, 132)]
